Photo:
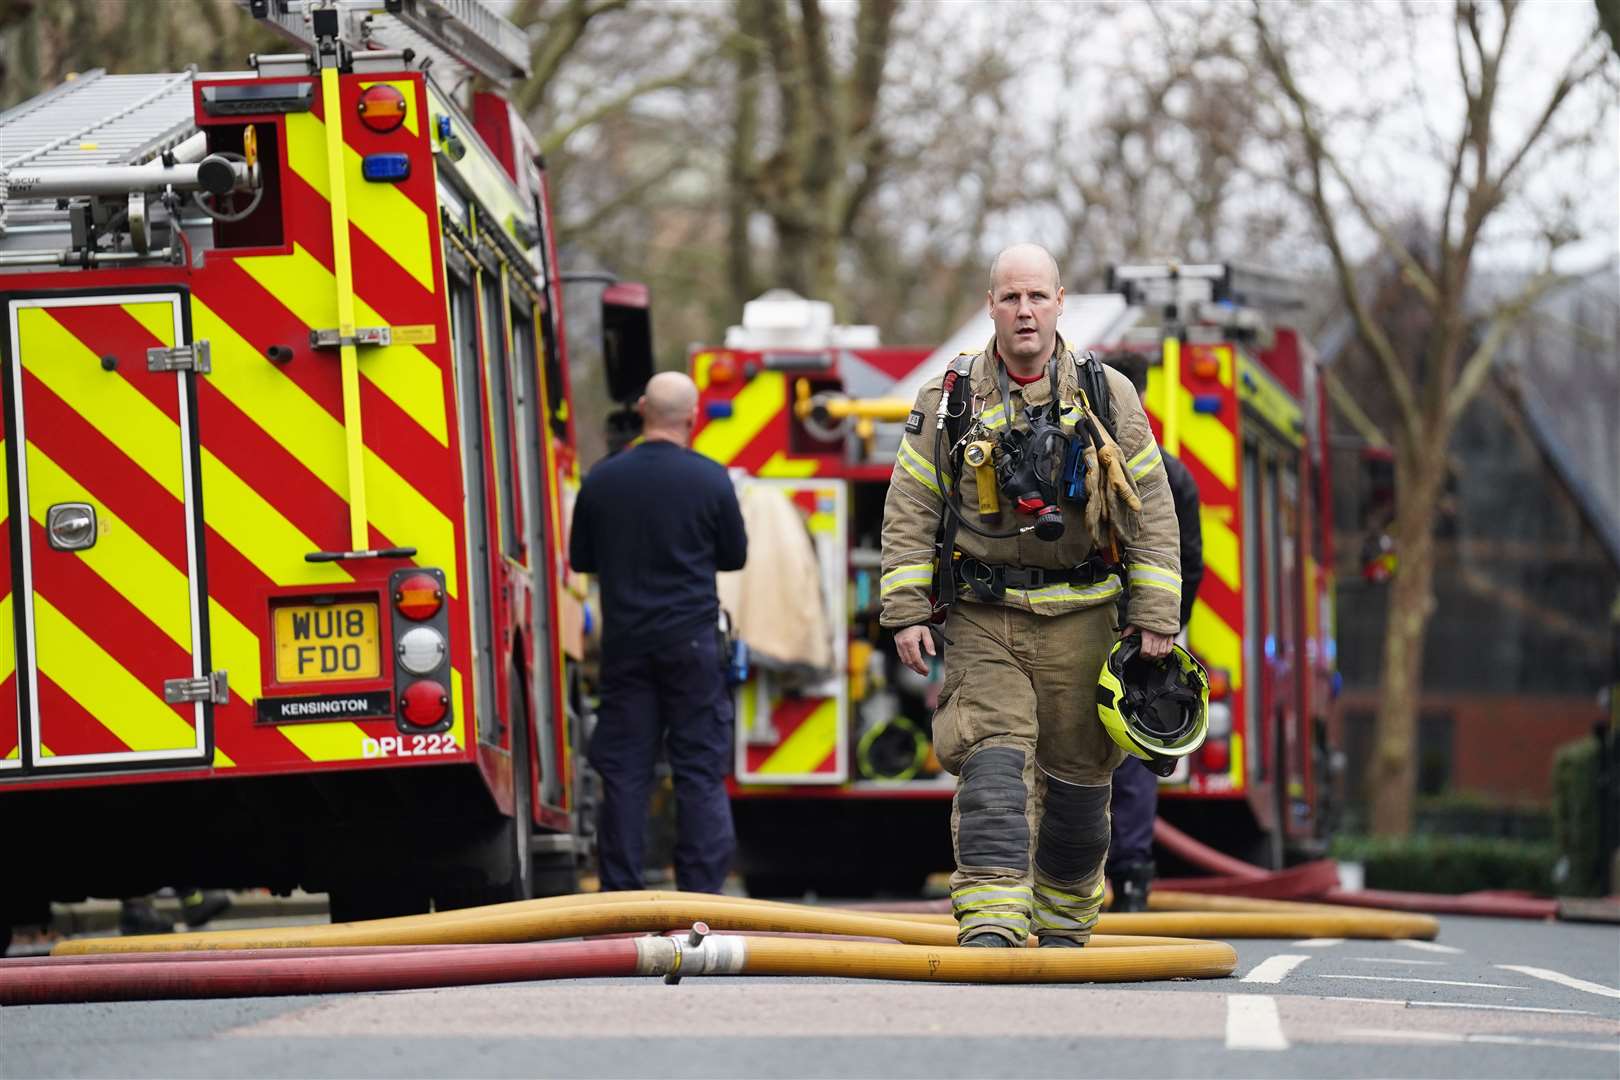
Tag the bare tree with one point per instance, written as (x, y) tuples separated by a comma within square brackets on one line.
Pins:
[(1485, 167)]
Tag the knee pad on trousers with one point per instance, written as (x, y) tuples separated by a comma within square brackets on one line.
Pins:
[(991, 828), (1074, 830)]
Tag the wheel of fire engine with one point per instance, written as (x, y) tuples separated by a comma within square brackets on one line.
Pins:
[(505, 853), (553, 873)]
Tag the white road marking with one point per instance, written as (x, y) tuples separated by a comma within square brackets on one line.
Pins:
[(1499, 1040), (1562, 979), (1393, 960), (1459, 1005), (1430, 982), (1319, 943), (1273, 969), (1252, 1023), (1426, 946)]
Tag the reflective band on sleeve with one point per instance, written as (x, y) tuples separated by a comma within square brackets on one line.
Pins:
[(920, 468), (1155, 577), (1144, 461), (901, 576)]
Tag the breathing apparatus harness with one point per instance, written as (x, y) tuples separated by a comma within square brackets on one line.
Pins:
[(1030, 466)]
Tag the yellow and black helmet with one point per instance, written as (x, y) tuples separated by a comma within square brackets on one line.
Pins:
[(1157, 710)]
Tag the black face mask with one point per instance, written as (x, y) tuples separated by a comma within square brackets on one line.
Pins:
[(1029, 465)]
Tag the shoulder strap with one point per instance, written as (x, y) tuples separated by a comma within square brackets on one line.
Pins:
[(1094, 380), (956, 414)]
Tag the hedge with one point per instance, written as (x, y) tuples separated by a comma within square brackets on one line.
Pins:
[(1450, 864), (1576, 829)]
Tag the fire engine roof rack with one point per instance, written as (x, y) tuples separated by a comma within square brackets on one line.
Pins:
[(453, 38)]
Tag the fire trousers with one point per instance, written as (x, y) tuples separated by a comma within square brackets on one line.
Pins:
[(1017, 723)]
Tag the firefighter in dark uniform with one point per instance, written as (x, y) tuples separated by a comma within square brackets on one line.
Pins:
[(1135, 801), (654, 523)]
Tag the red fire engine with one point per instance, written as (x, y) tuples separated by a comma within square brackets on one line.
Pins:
[(812, 410), (287, 452)]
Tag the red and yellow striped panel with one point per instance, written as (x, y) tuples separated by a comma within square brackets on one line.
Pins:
[(112, 622), (754, 437), (807, 739), (10, 721), (1210, 450)]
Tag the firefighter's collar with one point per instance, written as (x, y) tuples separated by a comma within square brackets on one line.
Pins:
[(1038, 392)]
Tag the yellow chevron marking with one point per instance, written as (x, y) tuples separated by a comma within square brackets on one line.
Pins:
[(1238, 765), (1216, 643), (121, 702), (233, 647), (338, 740), (13, 753), (700, 369), (782, 465), (809, 744), (1208, 439), (1221, 547), (404, 373), (8, 655), (381, 211), (458, 721), (751, 410), (278, 405), (121, 557), (406, 87), (150, 439), (158, 318)]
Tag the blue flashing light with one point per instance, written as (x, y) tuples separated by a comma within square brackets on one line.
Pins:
[(719, 410), (444, 127), (386, 168), (1210, 404)]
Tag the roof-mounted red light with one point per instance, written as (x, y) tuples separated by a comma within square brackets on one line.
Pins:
[(382, 108), (424, 703), (418, 597)]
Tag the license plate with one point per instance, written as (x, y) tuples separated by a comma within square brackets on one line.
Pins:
[(326, 642)]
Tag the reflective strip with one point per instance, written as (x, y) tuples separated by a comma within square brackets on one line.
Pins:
[(1061, 594), (1007, 920), (1055, 897), (981, 897), (994, 417), (901, 576), (920, 468), (1144, 461), (1155, 577)]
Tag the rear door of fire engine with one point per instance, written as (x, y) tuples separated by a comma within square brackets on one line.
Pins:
[(111, 664)]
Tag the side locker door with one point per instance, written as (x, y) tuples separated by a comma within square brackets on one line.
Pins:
[(112, 659)]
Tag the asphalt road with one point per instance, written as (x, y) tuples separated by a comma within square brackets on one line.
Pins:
[(1490, 998)]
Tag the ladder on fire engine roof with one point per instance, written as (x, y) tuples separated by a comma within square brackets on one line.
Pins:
[(454, 39), (99, 119)]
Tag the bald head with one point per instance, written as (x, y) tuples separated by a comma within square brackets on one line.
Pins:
[(1025, 302), (1030, 258), (669, 406)]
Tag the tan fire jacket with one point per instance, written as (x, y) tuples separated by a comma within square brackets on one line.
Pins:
[(911, 511)]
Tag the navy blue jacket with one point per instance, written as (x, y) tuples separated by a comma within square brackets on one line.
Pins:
[(654, 523)]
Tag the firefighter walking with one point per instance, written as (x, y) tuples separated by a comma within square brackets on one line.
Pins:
[(1014, 506)]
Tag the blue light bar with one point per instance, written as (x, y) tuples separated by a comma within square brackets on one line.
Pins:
[(386, 168), (1209, 404), (719, 410)]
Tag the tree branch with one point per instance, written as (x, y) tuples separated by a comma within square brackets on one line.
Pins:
[(1351, 409), (555, 43), (553, 140), (1503, 320)]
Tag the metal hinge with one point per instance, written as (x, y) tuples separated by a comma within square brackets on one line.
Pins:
[(363, 335), (193, 357), (213, 688)]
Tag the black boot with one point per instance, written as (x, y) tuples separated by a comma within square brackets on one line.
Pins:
[(197, 906), (1132, 883), (986, 940), (1057, 941), (137, 916)]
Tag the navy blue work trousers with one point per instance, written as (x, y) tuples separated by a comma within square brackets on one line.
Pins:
[(675, 697), (1134, 805)]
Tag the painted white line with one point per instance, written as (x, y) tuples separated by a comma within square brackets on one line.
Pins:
[(1426, 946), (1273, 969), (1562, 979), (1319, 943), (1252, 1023), (1430, 982), (1394, 960), (1498, 1040), (1459, 1005)]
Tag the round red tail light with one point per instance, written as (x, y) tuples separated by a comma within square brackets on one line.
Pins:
[(1217, 755), (382, 108), (418, 597), (424, 703)]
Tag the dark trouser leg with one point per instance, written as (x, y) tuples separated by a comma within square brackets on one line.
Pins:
[(1135, 804), (695, 707), (623, 750)]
